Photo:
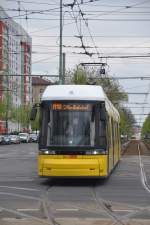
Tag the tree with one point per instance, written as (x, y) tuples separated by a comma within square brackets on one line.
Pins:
[(6, 106), (79, 76), (2, 109), (127, 122), (35, 123), (23, 113), (146, 127), (20, 115), (111, 87), (113, 90)]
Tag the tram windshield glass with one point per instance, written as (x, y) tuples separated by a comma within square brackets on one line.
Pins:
[(68, 124)]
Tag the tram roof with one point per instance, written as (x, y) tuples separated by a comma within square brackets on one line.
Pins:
[(78, 92), (74, 92)]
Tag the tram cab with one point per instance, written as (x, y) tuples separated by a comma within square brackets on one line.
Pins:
[(79, 132)]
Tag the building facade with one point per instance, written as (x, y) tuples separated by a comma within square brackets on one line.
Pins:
[(15, 61), (38, 86)]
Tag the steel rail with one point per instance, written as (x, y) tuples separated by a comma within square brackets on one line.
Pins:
[(46, 207), (107, 208), (43, 199), (102, 204), (44, 203), (142, 172), (145, 185), (26, 215)]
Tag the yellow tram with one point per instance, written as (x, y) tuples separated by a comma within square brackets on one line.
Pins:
[(79, 132)]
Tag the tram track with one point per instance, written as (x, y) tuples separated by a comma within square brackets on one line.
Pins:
[(44, 205), (102, 204), (142, 171), (107, 206), (47, 205)]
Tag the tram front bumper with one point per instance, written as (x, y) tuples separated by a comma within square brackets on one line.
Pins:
[(82, 166), (70, 167)]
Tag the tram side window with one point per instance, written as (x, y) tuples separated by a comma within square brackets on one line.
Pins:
[(118, 134), (114, 132), (113, 135), (102, 133), (108, 131)]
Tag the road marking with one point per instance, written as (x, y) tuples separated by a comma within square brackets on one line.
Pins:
[(143, 175), (123, 210), (24, 178), (16, 180), (20, 188), (9, 219), (20, 196), (26, 210), (67, 209)]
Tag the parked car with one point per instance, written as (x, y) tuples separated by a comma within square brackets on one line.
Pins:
[(24, 137), (33, 137), (1, 139), (7, 140), (15, 139)]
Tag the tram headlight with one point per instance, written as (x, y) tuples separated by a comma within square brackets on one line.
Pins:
[(95, 152), (92, 152), (46, 152)]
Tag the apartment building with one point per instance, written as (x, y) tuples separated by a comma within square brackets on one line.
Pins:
[(15, 60)]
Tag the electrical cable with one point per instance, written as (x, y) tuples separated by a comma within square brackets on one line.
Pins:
[(127, 6), (68, 36), (54, 19), (32, 2), (80, 34), (145, 101), (120, 9), (85, 11)]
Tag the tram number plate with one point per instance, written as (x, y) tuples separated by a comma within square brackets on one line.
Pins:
[(70, 156)]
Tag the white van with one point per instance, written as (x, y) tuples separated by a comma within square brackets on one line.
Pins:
[(24, 137)]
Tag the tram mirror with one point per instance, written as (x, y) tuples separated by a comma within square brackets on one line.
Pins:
[(33, 113)]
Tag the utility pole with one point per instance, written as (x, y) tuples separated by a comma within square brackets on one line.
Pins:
[(60, 48), (64, 68)]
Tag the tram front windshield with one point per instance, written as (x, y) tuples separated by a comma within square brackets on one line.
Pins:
[(68, 124)]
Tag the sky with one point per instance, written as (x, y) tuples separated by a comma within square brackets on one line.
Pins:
[(110, 28)]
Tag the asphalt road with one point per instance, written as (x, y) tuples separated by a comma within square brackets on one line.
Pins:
[(23, 193)]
